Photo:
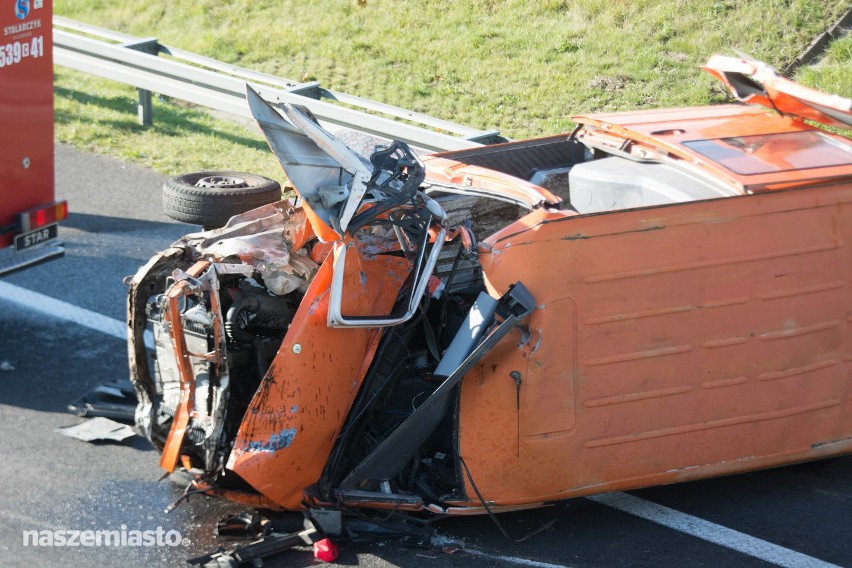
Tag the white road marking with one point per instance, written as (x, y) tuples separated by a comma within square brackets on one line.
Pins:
[(512, 559), (25, 522), (682, 522), (708, 531), (51, 307)]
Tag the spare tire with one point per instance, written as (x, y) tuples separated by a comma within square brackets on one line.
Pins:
[(211, 198)]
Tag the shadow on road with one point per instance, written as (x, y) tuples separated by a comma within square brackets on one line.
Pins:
[(90, 223)]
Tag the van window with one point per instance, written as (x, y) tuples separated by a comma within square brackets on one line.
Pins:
[(770, 153)]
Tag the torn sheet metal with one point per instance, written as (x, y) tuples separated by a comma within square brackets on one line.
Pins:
[(755, 82), (263, 238), (321, 354)]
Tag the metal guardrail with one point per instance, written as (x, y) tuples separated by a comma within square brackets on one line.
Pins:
[(817, 47), (207, 82)]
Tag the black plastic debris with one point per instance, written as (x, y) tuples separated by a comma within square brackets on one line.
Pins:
[(113, 399), (241, 525), (323, 529), (253, 552)]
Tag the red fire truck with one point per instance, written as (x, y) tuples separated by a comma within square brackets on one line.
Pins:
[(29, 211)]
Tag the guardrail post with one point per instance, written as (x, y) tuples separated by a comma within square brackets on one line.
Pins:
[(145, 110)]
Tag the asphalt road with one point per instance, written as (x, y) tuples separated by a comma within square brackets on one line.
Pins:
[(793, 516)]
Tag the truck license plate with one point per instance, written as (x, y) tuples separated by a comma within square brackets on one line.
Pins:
[(34, 238)]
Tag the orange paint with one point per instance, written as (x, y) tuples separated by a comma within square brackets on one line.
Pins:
[(292, 422), (673, 348), (669, 342), (172, 447)]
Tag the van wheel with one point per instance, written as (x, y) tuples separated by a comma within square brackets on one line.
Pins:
[(211, 198)]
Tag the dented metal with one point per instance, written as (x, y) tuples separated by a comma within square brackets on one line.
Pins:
[(456, 334)]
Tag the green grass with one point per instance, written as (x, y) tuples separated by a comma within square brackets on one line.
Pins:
[(834, 72), (518, 66), (100, 116)]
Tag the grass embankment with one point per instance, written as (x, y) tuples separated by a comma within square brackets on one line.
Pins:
[(517, 66)]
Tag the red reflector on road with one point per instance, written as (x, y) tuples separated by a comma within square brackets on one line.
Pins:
[(326, 550)]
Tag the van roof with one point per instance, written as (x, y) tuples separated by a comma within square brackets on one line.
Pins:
[(751, 148)]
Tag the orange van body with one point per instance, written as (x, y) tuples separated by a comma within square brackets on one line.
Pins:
[(684, 342), (673, 330)]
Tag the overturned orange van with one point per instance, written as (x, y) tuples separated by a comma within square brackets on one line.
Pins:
[(658, 296)]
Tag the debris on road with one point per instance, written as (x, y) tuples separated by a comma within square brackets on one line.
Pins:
[(98, 429), (326, 550), (323, 530), (254, 551), (241, 525), (6, 366), (112, 399)]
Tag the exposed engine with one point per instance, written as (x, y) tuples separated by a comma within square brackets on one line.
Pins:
[(255, 321), (324, 341)]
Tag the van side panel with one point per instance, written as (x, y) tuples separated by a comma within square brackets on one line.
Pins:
[(670, 343)]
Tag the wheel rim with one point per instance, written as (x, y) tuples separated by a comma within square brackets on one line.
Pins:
[(222, 182)]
